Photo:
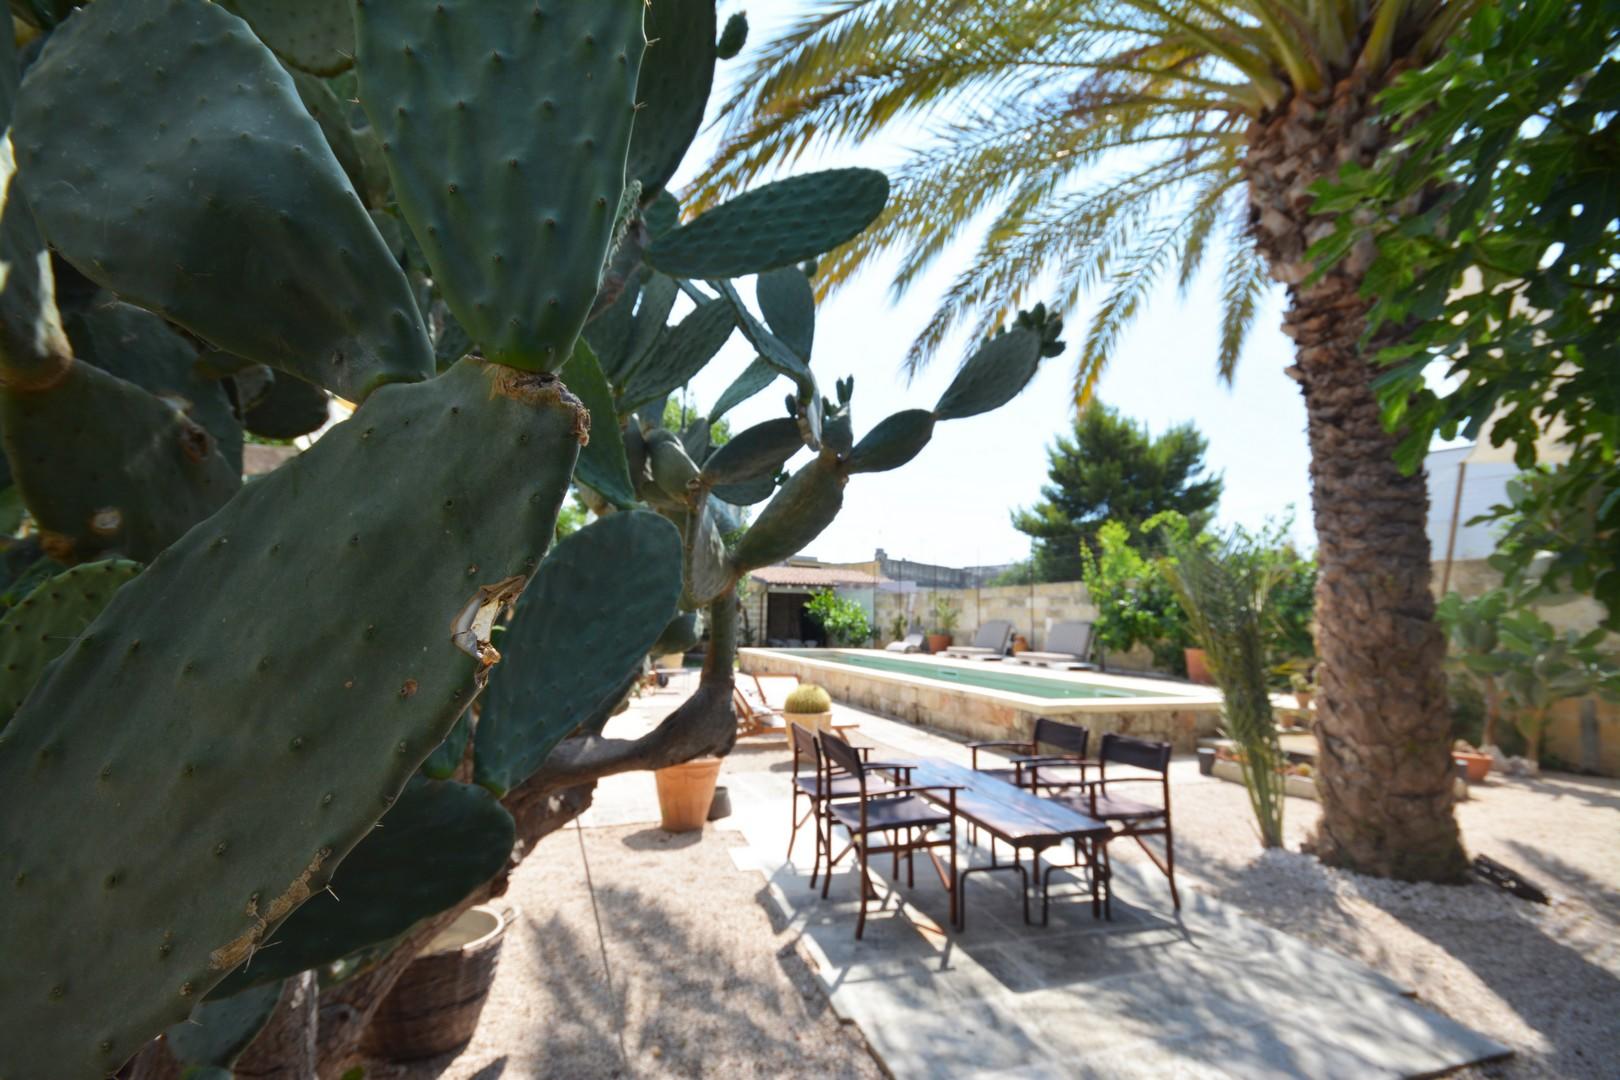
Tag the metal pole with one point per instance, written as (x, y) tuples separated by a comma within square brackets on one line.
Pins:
[(1451, 538)]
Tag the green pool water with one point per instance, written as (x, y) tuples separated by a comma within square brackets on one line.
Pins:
[(987, 676)]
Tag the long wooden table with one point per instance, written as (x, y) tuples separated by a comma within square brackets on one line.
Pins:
[(1014, 816)]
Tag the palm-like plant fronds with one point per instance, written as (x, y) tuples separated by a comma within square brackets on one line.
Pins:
[(1222, 586), (1097, 142)]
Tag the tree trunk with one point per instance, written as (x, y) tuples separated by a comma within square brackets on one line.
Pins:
[(1384, 770)]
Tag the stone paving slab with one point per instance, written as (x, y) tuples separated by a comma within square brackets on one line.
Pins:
[(1153, 993)]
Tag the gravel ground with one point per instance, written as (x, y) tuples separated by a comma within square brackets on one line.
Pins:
[(699, 983)]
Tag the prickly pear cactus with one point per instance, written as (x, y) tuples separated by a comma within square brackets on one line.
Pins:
[(505, 127), (44, 623), (219, 766)]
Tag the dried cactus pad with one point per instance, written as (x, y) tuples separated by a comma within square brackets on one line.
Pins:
[(45, 622), (505, 124), (196, 764), (168, 157)]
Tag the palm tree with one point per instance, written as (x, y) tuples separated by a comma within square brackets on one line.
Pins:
[(1109, 143)]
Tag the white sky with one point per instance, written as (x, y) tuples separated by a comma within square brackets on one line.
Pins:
[(950, 505)]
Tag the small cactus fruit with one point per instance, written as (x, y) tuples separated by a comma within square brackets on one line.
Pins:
[(134, 487), (674, 88), (44, 623), (167, 157), (776, 225), (733, 37), (895, 441), (217, 1032), (290, 407), (437, 843), (136, 345), (602, 464), (316, 36), (505, 124), (804, 506), (624, 571), (219, 765), (681, 353)]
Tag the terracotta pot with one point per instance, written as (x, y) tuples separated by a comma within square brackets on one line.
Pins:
[(938, 643), (1198, 667), (434, 1007), (685, 793), (1478, 766), (1302, 700), (1020, 643)]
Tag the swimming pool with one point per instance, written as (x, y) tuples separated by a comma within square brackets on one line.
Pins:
[(983, 675), (982, 700)]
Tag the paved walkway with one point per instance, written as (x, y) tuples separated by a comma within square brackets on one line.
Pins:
[(1206, 993)]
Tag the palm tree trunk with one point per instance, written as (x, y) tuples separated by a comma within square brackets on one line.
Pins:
[(1384, 770)]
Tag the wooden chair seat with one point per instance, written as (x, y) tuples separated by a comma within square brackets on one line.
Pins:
[(1116, 808), (841, 787), (903, 812)]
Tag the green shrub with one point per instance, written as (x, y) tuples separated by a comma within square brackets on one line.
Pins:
[(843, 620)]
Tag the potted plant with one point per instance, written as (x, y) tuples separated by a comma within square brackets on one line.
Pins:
[(685, 793), (1476, 766), (897, 627), (1304, 689), (945, 619), (809, 706)]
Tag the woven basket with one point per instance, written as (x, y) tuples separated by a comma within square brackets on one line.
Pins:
[(434, 1007)]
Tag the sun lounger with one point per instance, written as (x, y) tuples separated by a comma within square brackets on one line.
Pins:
[(1068, 646), (990, 643), (913, 643)]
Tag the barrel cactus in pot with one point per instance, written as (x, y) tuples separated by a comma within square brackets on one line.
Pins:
[(809, 706)]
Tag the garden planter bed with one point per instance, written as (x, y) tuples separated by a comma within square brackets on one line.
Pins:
[(1302, 787)]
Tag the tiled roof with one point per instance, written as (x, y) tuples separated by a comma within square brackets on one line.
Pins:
[(821, 577)]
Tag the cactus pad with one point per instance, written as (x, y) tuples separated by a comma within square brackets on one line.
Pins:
[(705, 572), (217, 1032), (789, 306), (224, 755), (758, 451), (602, 463), (733, 37), (168, 158), (595, 608), (290, 407), (895, 441), (447, 756), (754, 378), (438, 843), (132, 487), (316, 36), (681, 354), (505, 126), (678, 637), (798, 513), (136, 345), (773, 226), (992, 376), (44, 623), (673, 90)]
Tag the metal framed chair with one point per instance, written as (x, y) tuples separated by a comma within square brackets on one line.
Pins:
[(823, 785), (1148, 762), (1065, 768), (902, 821)]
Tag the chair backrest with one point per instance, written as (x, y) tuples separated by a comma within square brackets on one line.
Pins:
[(1140, 753), (802, 742), (1069, 738), (995, 634), (1073, 638), (915, 640), (841, 755), (774, 689), (752, 696)]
